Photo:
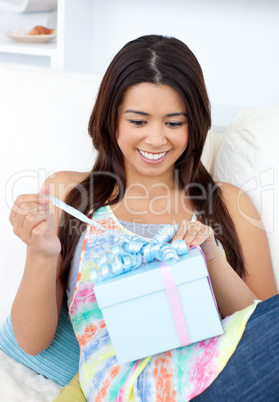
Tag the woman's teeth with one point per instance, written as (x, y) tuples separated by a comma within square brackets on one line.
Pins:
[(152, 156)]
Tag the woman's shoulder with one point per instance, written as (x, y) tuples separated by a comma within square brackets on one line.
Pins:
[(68, 177), (61, 183), (238, 203), (228, 190)]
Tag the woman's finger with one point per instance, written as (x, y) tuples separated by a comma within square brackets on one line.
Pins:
[(26, 202), (191, 233), (45, 190), (17, 216), (30, 198), (24, 225), (202, 234), (30, 223), (38, 233), (181, 230)]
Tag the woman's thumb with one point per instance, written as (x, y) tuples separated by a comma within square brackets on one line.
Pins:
[(44, 189)]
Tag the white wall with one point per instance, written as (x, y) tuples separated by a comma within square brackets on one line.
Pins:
[(236, 42)]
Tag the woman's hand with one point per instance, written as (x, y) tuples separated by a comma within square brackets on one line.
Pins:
[(232, 294), (197, 234), (33, 223)]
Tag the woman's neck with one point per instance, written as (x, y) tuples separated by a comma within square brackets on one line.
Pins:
[(168, 179)]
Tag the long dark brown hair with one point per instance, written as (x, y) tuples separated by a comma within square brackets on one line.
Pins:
[(159, 60)]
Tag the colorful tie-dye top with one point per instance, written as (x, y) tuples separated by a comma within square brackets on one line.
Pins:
[(176, 375)]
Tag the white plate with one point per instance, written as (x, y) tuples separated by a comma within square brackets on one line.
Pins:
[(24, 37)]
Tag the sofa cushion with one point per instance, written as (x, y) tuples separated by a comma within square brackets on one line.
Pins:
[(59, 362), (248, 158)]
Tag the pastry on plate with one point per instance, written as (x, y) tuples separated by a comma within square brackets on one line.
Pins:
[(40, 30)]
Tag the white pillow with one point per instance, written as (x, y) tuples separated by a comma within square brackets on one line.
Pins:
[(248, 158)]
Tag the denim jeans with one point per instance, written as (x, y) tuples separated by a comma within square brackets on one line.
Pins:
[(252, 373)]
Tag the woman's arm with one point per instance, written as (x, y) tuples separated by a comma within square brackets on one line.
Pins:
[(231, 292), (253, 239), (36, 308), (37, 305)]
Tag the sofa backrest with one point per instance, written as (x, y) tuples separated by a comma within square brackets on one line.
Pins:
[(43, 127)]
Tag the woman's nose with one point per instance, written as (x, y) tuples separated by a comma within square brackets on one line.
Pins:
[(156, 136)]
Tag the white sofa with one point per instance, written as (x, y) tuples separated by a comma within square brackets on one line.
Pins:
[(43, 126)]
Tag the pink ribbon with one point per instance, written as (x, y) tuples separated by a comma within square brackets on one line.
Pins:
[(175, 305)]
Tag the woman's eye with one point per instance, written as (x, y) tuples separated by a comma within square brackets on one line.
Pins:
[(138, 123), (174, 124)]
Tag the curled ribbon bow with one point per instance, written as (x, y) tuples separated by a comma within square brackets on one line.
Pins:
[(132, 252)]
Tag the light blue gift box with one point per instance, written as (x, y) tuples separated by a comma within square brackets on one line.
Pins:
[(138, 314)]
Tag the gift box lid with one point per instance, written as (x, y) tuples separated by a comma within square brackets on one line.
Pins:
[(148, 279)]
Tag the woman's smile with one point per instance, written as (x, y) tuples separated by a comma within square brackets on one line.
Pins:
[(152, 158)]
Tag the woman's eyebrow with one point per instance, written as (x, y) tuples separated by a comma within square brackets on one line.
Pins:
[(137, 112), (176, 114), (147, 114)]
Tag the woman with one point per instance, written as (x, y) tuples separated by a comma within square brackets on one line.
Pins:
[(149, 125)]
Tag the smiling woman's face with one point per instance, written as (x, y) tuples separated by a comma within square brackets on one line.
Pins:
[(152, 131)]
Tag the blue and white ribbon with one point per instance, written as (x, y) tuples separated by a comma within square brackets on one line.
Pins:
[(135, 251)]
